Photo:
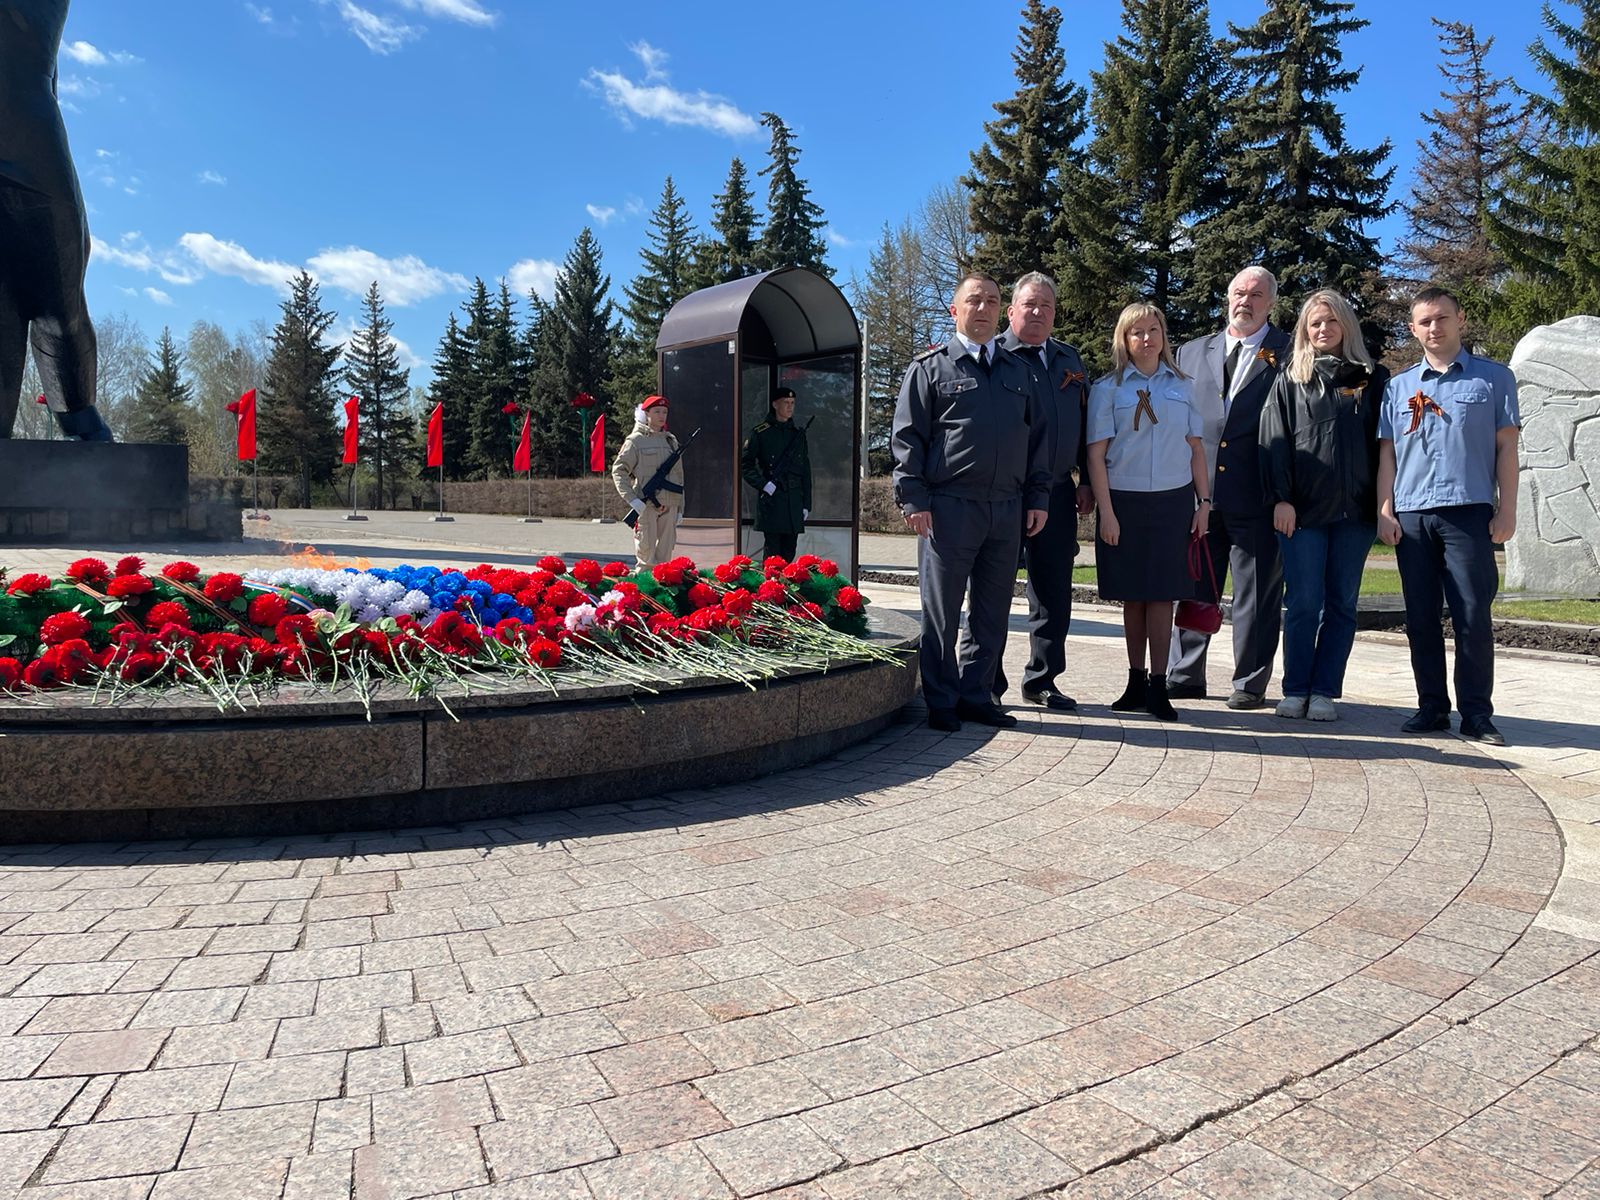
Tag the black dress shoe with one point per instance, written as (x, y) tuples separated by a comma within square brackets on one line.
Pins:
[(1051, 698), (944, 720), (1186, 691), (1425, 720), (1481, 729), (984, 714)]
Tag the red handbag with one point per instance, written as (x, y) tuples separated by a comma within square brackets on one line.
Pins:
[(1200, 616)]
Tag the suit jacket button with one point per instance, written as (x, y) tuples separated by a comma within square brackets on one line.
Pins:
[(1222, 445), (1222, 466)]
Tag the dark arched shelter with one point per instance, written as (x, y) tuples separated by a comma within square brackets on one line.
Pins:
[(721, 353)]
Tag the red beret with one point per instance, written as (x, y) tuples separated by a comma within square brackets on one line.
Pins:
[(654, 402)]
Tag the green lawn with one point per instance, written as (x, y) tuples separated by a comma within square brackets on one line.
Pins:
[(1564, 612)]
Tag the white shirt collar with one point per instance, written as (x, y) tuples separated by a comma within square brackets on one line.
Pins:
[(1253, 342), (972, 346)]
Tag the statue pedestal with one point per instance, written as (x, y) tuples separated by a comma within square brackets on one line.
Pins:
[(1557, 544), (104, 493)]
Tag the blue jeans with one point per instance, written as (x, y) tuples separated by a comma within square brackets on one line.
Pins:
[(1445, 556), (1322, 567)]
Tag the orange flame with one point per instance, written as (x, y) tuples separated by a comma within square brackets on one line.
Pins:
[(312, 557)]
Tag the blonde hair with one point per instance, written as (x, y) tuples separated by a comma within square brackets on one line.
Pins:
[(1304, 354), (1139, 310)]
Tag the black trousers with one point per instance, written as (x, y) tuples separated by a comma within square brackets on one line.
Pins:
[(1049, 556), (972, 554), (1245, 546), (781, 544), (1445, 555)]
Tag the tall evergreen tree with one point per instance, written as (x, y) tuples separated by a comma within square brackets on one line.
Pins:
[(453, 386), (499, 377), (577, 342), (1547, 217), (793, 236), (1016, 179), (477, 421), (1157, 104), (161, 405), (730, 253), (296, 415), (663, 280), (1299, 195), (373, 372)]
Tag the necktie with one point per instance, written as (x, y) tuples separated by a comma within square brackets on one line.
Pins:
[(1228, 369), (983, 357)]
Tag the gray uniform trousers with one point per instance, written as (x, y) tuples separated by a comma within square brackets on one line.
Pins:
[(1248, 547), (974, 540), (1051, 554)]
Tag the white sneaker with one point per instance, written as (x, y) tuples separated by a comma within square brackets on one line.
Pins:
[(1293, 707), (1321, 709)]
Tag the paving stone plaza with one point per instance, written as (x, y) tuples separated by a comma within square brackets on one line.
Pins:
[(1094, 956)]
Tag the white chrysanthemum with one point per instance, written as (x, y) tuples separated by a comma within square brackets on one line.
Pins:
[(386, 591), (369, 614)]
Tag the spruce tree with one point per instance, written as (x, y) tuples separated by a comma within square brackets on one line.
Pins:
[(731, 252), (1157, 104), (295, 419), (663, 280), (499, 377), (474, 416), (793, 236), (576, 348), (1015, 182), (453, 387), (1299, 195), (160, 410), (1546, 220), (372, 371)]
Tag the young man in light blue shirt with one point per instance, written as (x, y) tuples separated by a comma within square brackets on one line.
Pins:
[(1447, 451)]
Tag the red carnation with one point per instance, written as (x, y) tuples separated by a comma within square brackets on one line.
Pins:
[(850, 600), (268, 609), (738, 602), (63, 626), (669, 574), (509, 630), (614, 570), (545, 652), (130, 565), (294, 630), (169, 612), (509, 407), (129, 585), (528, 597), (725, 572), (224, 587), (182, 572), (772, 592), (553, 564), (795, 573), (702, 596), (661, 622), (41, 673), (587, 572), (10, 673), (828, 568), (89, 570), (140, 666), (27, 585)]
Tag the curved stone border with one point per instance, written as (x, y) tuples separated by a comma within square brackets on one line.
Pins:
[(174, 767)]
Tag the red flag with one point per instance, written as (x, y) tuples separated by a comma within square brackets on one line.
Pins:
[(245, 409), (597, 444), (352, 429), (436, 436), (522, 460)]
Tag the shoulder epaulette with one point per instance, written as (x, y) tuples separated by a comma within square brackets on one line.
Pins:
[(765, 425), (928, 353)]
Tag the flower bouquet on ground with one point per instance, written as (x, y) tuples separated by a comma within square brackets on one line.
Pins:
[(112, 630)]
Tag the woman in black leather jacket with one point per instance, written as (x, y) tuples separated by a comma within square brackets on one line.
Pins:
[(1319, 459)]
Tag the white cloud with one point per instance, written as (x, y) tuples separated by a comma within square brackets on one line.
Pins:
[(342, 330), (534, 275), (661, 102), (212, 177), (653, 57), (403, 281), (84, 52), (260, 13), (136, 256), (634, 206), (381, 35), (468, 12), (601, 213), (229, 258), (835, 238), (80, 86), (105, 154), (158, 295)]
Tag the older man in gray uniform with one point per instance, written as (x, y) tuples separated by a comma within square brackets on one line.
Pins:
[(1233, 371), (972, 476)]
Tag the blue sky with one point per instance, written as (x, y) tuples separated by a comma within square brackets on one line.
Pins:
[(223, 144)]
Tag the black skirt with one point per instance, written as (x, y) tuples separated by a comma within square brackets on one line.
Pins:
[(1149, 560)]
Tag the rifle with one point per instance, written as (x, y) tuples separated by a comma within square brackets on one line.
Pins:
[(783, 455), (659, 480)]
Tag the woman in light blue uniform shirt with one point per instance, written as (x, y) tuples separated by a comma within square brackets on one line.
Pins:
[(1147, 466)]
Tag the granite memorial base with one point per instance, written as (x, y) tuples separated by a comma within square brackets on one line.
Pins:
[(65, 493), (171, 766)]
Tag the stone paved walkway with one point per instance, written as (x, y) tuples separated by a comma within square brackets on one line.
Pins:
[(1090, 957)]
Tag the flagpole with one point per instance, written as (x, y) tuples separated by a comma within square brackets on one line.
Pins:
[(441, 516), (353, 515), (530, 519)]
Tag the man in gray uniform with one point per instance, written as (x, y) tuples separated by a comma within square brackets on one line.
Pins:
[(971, 456), (1232, 372), (1050, 553)]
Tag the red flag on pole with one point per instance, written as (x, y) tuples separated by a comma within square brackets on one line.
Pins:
[(597, 444), (352, 429), (523, 459), (436, 436), (245, 409)]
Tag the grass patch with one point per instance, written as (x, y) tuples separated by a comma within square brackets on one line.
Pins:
[(1563, 612)]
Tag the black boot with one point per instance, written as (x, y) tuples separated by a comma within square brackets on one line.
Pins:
[(85, 424), (1132, 699), (1156, 702)]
